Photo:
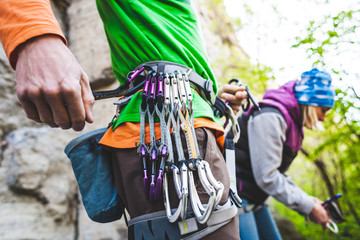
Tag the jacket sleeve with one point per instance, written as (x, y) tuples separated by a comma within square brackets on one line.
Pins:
[(266, 139), (21, 20)]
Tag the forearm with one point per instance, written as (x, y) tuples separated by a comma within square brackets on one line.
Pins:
[(23, 20), (266, 139)]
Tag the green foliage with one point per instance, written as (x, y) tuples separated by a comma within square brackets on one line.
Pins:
[(327, 36), (334, 152), (256, 76)]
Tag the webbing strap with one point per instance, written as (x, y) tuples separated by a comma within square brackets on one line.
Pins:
[(136, 80), (142, 126), (220, 216), (230, 163), (190, 228), (190, 137), (205, 87)]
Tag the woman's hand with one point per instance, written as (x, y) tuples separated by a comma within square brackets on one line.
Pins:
[(233, 94), (318, 214)]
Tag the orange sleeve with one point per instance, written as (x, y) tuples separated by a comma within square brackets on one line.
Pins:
[(21, 20)]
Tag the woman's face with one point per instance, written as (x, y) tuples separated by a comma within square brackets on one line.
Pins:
[(321, 113)]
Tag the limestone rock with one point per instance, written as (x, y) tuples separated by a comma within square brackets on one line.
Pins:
[(38, 192)]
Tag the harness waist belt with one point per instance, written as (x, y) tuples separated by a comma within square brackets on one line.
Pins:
[(220, 217), (205, 87)]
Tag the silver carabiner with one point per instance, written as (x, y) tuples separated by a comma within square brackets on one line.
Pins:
[(175, 91), (184, 189), (219, 187), (171, 217), (182, 90), (187, 86), (332, 226), (201, 214), (167, 89)]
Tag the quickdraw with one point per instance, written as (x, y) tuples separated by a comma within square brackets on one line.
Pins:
[(172, 103), (167, 95)]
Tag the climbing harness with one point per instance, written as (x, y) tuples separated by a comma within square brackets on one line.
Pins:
[(167, 97)]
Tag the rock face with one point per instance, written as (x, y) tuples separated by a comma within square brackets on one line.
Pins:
[(38, 193), (39, 197)]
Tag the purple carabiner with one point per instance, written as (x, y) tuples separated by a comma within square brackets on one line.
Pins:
[(153, 87), (137, 72), (159, 180), (143, 156), (153, 155), (146, 86), (145, 179), (157, 189), (152, 184), (146, 183), (152, 188), (160, 86), (164, 151)]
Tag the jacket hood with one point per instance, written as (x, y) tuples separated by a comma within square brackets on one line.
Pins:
[(285, 96)]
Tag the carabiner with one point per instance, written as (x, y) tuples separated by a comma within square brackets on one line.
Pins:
[(142, 150), (184, 188), (164, 155), (219, 187), (171, 217), (167, 89), (152, 93), (182, 91), (153, 157), (201, 214), (175, 91)]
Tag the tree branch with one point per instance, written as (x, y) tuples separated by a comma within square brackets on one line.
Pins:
[(320, 165)]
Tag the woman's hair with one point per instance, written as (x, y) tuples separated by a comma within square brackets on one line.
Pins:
[(309, 116)]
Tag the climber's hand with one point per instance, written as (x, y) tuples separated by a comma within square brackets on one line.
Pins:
[(51, 85), (234, 95)]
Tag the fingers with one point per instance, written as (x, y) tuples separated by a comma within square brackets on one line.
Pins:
[(35, 106), (233, 94), (51, 85), (75, 108), (232, 99), (61, 106), (235, 108), (30, 110), (232, 89), (318, 214), (87, 98), (44, 111), (58, 110)]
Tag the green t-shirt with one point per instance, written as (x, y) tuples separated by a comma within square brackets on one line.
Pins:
[(151, 30)]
